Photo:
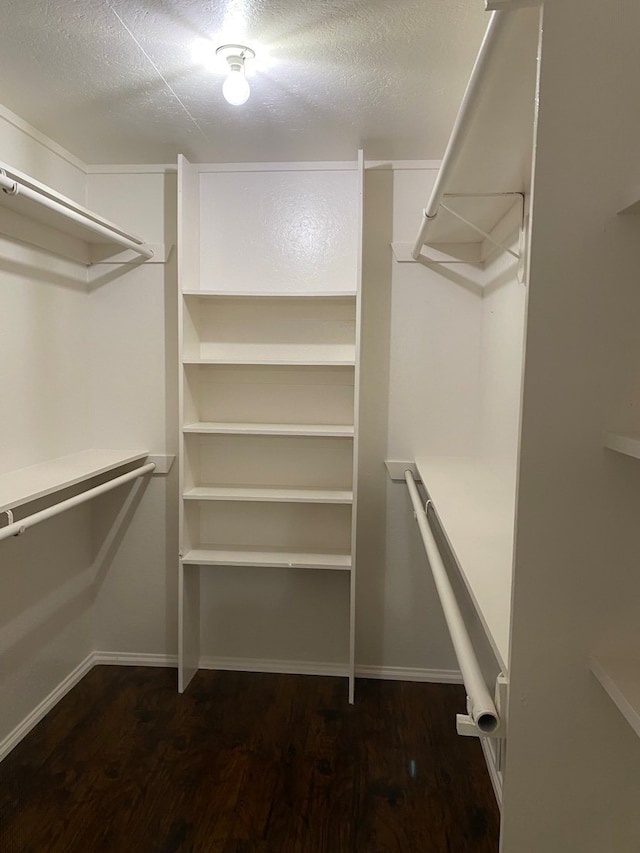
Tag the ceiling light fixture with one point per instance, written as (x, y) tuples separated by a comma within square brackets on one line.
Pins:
[(236, 89)]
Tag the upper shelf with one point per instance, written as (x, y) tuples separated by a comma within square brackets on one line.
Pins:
[(490, 150), (28, 209), (38, 481)]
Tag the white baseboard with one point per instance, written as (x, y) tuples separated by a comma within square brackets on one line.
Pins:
[(41, 710), (436, 676), (494, 774), (405, 673), (132, 659)]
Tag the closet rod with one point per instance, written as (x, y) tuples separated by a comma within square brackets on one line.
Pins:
[(480, 705), (16, 528), (12, 187), (463, 120)]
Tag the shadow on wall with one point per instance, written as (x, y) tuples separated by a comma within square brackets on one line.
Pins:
[(56, 569), (374, 404)]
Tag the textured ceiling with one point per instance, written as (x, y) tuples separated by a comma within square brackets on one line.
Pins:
[(114, 80)]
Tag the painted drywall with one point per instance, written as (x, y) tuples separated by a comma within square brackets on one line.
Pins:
[(133, 392), (572, 778), (45, 626)]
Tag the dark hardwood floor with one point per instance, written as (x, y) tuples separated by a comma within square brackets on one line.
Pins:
[(247, 762)]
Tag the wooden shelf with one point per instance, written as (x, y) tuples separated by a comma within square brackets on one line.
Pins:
[(620, 677), (38, 481), (90, 237), (621, 443), (475, 503), (259, 493), (278, 294), (272, 354), (496, 153), (322, 430), (269, 558)]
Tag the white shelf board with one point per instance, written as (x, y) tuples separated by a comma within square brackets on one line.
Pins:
[(302, 354), (38, 481), (619, 674), (475, 503), (271, 294), (621, 443), (282, 494), (269, 558), (33, 211), (327, 430), (629, 204), (496, 153)]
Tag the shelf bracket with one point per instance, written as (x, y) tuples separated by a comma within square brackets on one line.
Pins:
[(465, 725)]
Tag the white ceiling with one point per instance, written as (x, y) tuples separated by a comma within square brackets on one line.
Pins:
[(114, 81)]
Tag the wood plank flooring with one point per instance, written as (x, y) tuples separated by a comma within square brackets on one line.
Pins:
[(245, 763)]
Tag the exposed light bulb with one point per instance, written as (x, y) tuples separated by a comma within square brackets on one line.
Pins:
[(236, 89)]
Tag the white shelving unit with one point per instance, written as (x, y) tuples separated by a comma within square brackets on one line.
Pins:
[(268, 399), (32, 212)]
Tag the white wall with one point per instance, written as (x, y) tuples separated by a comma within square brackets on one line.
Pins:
[(45, 629), (133, 326), (573, 764)]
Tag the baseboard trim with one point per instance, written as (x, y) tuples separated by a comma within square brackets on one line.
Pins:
[(404, 673), (133, 659), (494, 775), (41, 710), (436, 676)]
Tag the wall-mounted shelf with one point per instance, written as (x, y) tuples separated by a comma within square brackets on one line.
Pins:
[(488, 157), (47, 478), (619, 674), (621, 443), (258, 493), (320, 430), (475, 504), (269, 558), (35, 213), (629, 205), (274, 354), (270, 294)]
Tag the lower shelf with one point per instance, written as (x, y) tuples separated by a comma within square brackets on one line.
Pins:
[(259, 493), (269, 558)]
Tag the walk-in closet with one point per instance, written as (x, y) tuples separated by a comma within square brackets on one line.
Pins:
[(320, 434)]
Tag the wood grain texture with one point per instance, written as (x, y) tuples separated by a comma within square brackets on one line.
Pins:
[(247, 762)]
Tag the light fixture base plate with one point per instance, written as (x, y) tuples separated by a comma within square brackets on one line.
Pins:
[(228, 50)]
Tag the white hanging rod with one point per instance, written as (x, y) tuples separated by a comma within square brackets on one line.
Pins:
[(463, 119), (480, 705), (13, 187), (16, 528)]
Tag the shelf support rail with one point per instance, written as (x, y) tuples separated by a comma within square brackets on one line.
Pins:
[(13, 187), (483, 718), (463, 119), (17, 528)]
